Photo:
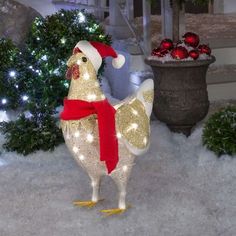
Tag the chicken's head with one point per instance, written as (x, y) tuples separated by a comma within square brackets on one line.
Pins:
[(79, 66)]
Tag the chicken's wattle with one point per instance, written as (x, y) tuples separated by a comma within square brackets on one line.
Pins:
[(73, 72)]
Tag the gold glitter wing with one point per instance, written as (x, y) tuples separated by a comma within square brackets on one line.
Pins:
[(132, 124)]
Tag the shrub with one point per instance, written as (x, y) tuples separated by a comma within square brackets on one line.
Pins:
[(14, 75), (219, 134), (29, 134)]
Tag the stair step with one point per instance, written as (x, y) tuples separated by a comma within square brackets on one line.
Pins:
[(221, 74)]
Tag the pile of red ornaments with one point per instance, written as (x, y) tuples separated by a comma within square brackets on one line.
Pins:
[(187, 48)]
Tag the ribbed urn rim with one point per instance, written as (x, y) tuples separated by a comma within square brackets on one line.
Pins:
[(153, 62)]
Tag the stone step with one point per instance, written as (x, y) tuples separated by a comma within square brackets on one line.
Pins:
[(221, 74)]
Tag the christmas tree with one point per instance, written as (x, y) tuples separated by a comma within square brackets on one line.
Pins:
[(14, 74)]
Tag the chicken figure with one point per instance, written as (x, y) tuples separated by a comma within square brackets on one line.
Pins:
[(102, 138)]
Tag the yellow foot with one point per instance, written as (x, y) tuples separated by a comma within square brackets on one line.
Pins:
[(116, 211), (88, 204)]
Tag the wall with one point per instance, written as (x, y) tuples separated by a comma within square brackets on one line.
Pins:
[(225, 6), (229, 6)]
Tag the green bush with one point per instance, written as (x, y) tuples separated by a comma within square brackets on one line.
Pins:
[(50, 44), (29, 134), (14, 76), (219, 134)]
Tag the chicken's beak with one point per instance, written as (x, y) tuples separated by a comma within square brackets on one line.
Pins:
[(73, 72)]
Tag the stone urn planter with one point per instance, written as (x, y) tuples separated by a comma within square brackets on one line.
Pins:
[(180, 98)]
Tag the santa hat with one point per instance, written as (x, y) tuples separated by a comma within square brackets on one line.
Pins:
[(95, 51)]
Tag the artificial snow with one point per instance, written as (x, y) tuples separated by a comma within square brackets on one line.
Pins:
[(3, 116), (177, 188), (169, 58)]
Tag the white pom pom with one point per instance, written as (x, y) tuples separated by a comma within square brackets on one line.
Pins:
[(118, 62)]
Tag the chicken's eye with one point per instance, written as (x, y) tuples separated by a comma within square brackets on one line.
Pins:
[(84, 59)]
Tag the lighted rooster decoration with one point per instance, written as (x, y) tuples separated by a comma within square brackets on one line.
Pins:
[(102, 138)]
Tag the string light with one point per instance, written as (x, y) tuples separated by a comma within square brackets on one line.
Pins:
[(38, 72), (125, 168), (25, 97), (4, 101), (75, 149), (96, 84), (81, 157), (12, 73), (134, 111), (66, 84), (77, 134), (78, 62), (44, 58), (63, 40), (92, 97), (132, 126), (90, 138), (56, 71), (118, 135), (145, 140), (81, 17), (86, 76)]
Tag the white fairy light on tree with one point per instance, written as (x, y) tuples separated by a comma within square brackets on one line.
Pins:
[(12, 73), (25, 98), (63, 40), (81, 17), (44, 58), (4, 101), (56, 71), (66, 84)]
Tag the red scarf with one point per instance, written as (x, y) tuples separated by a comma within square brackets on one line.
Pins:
[(77, 109)]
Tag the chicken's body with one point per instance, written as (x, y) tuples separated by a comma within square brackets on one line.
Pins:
[(132, 129)]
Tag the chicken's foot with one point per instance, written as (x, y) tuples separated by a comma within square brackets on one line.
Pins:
[(88, 204), (115, 211)]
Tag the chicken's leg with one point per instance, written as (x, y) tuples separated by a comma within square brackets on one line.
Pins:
[(95, 182), (121, 204), (120, 177)]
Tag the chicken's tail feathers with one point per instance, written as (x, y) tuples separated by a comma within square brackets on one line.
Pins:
[(145, 94)]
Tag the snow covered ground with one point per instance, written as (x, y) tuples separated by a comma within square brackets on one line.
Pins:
[(178, 188)]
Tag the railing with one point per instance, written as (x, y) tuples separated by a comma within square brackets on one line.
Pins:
[(126, 9), (98, 7)]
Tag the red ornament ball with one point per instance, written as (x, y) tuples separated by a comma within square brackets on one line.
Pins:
[(204, 49), (194, 54), (191, 39), (159, 52), (179, 53), (167, 44)]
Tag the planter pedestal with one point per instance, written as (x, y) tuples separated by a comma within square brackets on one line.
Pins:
[(180, 92)]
